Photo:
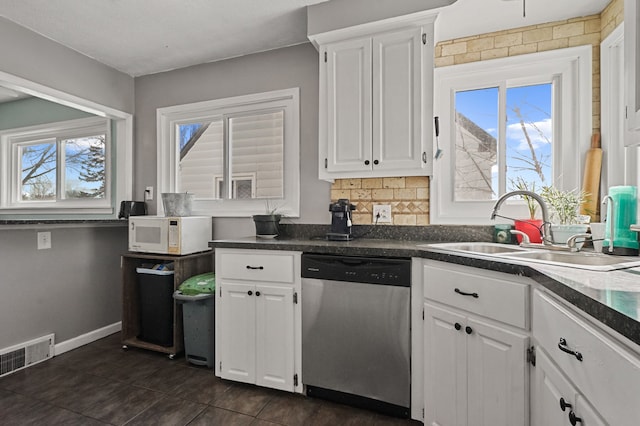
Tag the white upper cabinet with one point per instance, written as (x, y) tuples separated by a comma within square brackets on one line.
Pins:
[(632, 70), (376, 100)]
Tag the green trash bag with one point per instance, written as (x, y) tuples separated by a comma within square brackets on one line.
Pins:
[(199, 284)]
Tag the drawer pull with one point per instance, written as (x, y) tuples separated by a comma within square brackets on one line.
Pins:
[(564, 404), (255, 267), (573, 419), (457, 290), (564, 348)]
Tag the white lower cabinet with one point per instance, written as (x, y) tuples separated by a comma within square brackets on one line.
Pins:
[(475, 370), (579, 364), (555, 401), (257, 322)]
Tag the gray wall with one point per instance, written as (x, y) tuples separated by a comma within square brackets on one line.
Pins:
[(73, 288), (295, 66), (33, 111), (35, 58)]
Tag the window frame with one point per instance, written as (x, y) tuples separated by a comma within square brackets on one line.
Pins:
[(12, 139), (168, 157), (569, 68)]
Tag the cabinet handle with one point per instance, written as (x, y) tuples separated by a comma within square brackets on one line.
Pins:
[(573, 419), (468, 330), (457, 290), (366, 162), (564, 404), (376, 162), (565, 348), (249, 292), (457, 326), (257, 293), (255, 267)]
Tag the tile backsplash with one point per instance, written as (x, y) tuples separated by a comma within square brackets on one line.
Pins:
[(408, 197)]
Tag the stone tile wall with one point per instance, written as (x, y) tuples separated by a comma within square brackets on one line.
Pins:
[(408, 197)]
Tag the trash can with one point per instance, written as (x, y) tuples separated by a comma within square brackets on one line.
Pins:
[(155, 286), (198, 312)]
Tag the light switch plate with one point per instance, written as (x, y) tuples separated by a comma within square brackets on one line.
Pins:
[(148, 193), (44, 240), (382, 213)]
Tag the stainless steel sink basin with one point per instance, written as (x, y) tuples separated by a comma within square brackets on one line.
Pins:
[(582, 260), (475, 247)]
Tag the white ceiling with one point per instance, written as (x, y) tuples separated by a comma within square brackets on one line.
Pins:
[(142, 37)]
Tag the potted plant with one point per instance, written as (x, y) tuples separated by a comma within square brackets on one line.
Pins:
[(530, 226), (564, 207), (267, 223)]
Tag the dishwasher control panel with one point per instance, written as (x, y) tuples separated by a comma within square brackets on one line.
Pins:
[(371, 270)]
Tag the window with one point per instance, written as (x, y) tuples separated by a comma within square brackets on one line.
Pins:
[(521, 118), (235, 155), (64, 165)]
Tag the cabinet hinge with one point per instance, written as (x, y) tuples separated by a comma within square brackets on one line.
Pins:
[(220, 366), (220, 287), (424, 38), (326, 163), (626, 112), (423, 314), (295, 380), (531, 355), (325, 56), (423, 414), (295, 298)]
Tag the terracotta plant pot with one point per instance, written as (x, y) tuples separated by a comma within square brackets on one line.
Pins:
[(531, 228)]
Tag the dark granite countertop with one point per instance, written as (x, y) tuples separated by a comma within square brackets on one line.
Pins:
[(613, 297)]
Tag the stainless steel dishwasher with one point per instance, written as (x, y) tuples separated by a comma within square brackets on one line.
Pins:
[(355, 331)]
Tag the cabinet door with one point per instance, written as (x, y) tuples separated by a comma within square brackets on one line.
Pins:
[(632, 69), (397, 99), (497, 375), (274, 337), (445, 367), (237, 342), (550, 387), (349, 105)]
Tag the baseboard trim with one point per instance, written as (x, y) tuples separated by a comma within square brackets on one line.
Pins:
[(86, 338)]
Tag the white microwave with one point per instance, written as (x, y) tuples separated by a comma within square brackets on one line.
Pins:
[(169, 235)]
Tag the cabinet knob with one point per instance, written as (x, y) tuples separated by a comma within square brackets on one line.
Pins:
[(257, 293), (573, 419), (249, 292), (376, 162), (564, 404), (457, 326), (468, 330), (366, 162)]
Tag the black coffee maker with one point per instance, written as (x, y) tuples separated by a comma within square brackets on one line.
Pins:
[(340, 220)]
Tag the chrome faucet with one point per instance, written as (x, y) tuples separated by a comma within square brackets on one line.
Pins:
[(610, 219), (546, 224)]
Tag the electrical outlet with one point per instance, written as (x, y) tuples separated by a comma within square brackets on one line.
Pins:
[(148, 193), (44, 240), (382, 213)]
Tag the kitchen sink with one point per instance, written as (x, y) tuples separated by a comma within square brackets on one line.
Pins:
[(582, 260), (475, 247)]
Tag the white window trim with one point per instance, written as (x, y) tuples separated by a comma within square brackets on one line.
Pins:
[(571, 68), (168, 161), (10, 142), (621, 165), (123, 133)]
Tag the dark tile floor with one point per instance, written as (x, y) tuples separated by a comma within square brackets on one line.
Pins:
[(100, 384)]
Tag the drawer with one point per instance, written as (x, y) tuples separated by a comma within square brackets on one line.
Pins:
[(608, 374), (258, 266), (497, 298)]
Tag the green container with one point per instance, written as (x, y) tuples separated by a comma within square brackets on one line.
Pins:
[(199, 284)]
